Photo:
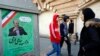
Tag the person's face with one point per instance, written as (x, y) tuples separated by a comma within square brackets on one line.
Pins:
[(16, 24), (57, 19), (67, 20)]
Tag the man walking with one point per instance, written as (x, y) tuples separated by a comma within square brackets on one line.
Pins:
[(64, 33)]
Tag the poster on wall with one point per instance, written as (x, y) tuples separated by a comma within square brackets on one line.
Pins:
[(17, 33)]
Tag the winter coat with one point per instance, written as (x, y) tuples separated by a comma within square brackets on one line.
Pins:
[(89, 40), (71, 28)]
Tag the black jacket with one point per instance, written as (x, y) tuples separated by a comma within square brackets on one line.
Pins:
[(71, 28), (13, 33), (62, 30), (89, 39)]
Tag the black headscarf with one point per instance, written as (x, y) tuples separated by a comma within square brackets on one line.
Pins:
[(88, 14)]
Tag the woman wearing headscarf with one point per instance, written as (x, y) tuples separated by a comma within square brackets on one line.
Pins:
[(55, 36), (89, 38)]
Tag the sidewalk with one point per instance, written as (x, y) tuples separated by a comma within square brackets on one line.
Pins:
[(45, 47)]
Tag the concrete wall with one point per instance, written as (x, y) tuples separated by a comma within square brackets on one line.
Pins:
[(44, 21), (96, 9), (79, 24), (20, 5)]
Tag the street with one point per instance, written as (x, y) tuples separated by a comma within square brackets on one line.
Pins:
[(45, 47)]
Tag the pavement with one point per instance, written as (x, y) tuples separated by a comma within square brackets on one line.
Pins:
[(45, 47)]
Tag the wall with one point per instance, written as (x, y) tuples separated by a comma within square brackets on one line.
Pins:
[(79, 24), (20, 5), (96, 9), (44, 21)]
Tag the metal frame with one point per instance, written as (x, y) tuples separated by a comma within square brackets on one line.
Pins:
[(1, 47), (36, 36)]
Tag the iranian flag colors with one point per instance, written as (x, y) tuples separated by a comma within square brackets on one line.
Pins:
[(8, 17)]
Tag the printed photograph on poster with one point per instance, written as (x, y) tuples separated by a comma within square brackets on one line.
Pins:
[(16, 30)]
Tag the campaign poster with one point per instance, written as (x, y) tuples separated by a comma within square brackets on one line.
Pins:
[(17, 33)]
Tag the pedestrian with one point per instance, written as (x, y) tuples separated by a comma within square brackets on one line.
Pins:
[(71, 27), (64, 33), (89, 38), (55, 36), (76, 38)]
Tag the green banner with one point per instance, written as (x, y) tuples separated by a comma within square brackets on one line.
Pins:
[(17, 33)]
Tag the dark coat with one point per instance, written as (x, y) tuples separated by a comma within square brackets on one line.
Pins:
[(71, 28), (89, 39), (62, 30), (13, 33)]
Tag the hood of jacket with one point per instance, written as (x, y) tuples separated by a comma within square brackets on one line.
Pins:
[(55, 19)]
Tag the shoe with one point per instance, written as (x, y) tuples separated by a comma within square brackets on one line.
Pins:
[(61, 54), (70, 55), (47, 55)]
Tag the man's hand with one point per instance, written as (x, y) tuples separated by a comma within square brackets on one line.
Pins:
[(65, 38), (83, 49), (15, 29)]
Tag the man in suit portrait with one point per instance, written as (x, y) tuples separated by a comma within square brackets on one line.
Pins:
[(16, 30)]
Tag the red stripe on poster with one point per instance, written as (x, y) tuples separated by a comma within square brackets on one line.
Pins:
[(8, 19)]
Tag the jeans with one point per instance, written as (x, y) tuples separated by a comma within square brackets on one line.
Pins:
[(56, 49)]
